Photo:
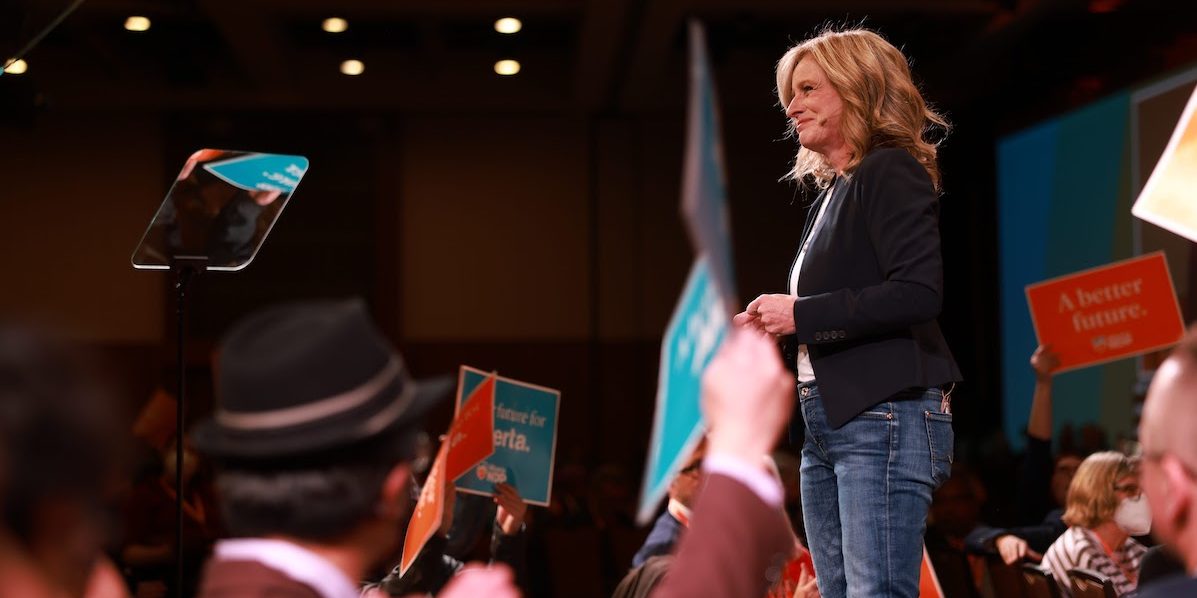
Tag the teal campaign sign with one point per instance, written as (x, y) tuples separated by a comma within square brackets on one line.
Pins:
[(700, 320), (696, 330), (525, 438), (261, 172), (704, 194)]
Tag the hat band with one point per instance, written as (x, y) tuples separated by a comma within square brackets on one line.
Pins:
[(315, 411)]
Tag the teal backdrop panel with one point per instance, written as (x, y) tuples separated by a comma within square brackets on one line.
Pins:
[(1063, 206)]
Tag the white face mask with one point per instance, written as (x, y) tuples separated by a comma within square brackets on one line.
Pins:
[(1133, 516)]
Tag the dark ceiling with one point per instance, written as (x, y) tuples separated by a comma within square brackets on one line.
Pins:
[(1023, 58)]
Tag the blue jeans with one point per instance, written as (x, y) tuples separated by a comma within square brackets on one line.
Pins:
[(866, 488)]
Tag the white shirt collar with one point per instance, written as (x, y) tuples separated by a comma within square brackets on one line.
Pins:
[(292, 560), (680, 511)]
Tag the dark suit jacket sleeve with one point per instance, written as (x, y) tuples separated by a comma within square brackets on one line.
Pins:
[(1039, 537), (736, 547), (660, 540), (901, 215), (1171, 587)]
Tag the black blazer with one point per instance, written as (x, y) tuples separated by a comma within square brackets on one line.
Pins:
[(871, 287)]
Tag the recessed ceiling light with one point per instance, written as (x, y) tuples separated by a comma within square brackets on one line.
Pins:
[(508, 25), (352, 68), (334, 25), (137, 24), (507, 67), (15, 67)]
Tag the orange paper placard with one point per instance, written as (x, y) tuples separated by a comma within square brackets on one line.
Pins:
[(471, 437), (1106, 313), (428, 514), (928, 581)]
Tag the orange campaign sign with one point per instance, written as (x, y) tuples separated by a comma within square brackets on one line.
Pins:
[(1118, 310), (428, 514), (928, 580), (471, 435)]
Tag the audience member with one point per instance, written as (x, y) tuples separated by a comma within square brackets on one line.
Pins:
[(149, 548), (58, 454), (643, 579), (738, 541), (314, 435), (1105, 508), (683, 489), (1159, 562), (955, 513), (1170, 462), (434, 567), (1043, 488)]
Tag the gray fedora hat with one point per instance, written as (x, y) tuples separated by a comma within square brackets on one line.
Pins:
[(311, 378)]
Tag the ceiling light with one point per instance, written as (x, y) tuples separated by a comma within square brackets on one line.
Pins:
[(508, 25), (507, 67), (137, 24), (15, 67), (352, 68), (334, 25)]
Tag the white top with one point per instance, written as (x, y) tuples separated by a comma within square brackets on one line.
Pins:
[(292, 560), (806, 372)]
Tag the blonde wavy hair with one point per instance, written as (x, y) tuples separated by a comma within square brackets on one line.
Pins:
[(1091, 498), (882, 105)]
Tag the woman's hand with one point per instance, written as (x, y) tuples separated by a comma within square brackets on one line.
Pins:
[(511, 511), (773, 314), (1045, 362), (807, 587), (1014, 549)]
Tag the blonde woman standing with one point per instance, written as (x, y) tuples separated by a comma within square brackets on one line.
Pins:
[(864, 292)]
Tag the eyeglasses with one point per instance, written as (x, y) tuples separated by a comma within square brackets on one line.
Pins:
[(1133, 491)]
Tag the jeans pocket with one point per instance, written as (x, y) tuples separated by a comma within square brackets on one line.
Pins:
[(941, 440)]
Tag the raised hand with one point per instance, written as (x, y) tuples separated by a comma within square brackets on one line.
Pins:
[(512, 508)]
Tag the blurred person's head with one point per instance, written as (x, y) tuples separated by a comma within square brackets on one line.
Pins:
[(686, 484), (852, 90), (1169, 448), (1063, 470), (1106, 489), (1093, 439), (315, 429), (59, 449), (956, 505), (612, 495)]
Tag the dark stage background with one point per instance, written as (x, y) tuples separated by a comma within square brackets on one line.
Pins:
[(525, 224)]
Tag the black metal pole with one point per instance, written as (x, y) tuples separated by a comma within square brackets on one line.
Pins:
[(184, 273)]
